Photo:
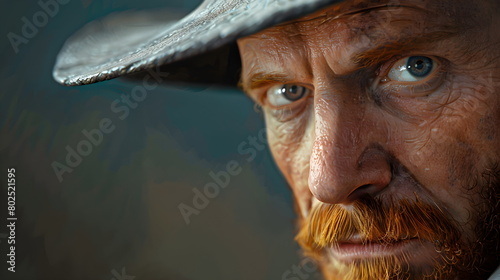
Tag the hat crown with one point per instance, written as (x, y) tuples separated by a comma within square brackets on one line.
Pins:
[(128, 42)]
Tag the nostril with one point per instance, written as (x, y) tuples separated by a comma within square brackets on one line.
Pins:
[(364, 190)]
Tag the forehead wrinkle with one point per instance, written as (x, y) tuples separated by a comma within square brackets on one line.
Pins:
[(307, 30), (292, 42), (279, 56), (384, 50), (348, 8), (459, 10), (370, 42)]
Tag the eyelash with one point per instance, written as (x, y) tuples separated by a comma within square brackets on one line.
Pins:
[(262, 97), (385, 67), (286, 112), (427, 85)]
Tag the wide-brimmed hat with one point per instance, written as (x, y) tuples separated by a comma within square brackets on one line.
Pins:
[(198, 47)]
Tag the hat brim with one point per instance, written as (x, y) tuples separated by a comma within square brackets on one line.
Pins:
[(130, 42)]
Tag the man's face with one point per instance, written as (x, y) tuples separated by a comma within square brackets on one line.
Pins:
[(384, 118)]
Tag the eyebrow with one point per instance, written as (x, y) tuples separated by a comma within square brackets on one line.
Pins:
[(363, 60), (390, 49), (260, 79)]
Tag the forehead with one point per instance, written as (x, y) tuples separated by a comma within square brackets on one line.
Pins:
[(340, 32), (368, 13)]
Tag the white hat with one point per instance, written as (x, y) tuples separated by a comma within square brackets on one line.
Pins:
[(199, 47)]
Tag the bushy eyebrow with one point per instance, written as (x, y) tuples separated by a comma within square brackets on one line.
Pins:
[(363, 60), (261, 79), (390, 49)]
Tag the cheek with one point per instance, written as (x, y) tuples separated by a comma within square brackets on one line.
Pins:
[(290, 144), (450, 151)]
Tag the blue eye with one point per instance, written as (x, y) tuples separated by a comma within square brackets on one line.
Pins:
[(419, 66), (280, 95), (412, 69)]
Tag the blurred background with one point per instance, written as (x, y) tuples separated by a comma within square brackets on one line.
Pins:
[(115, 214)]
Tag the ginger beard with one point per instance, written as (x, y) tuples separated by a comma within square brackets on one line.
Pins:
[(396, 223)]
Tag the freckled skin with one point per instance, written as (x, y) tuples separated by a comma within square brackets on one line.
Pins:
[(347, 137)]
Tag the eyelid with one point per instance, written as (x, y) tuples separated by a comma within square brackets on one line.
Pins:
[(417, 88), (264, 96), (386, 67)]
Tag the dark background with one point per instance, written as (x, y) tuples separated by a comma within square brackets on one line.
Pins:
[(116, 214)]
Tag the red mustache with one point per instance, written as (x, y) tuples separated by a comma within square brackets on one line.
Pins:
[(380, 222)]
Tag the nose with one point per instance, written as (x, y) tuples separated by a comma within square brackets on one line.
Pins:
[(347, 160)]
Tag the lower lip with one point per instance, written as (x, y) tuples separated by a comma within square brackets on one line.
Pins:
[(351, 251)]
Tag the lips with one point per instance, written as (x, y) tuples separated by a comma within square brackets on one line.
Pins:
[(359, 248)]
